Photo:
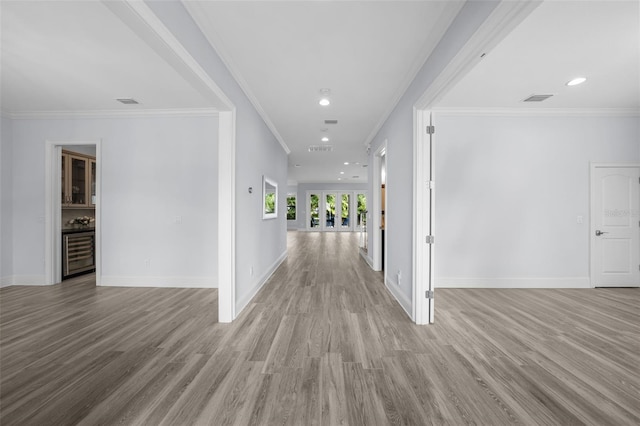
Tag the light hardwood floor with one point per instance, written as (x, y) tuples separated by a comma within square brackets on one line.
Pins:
[(323, 343)]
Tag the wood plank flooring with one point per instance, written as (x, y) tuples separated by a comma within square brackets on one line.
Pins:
[(323, 343)]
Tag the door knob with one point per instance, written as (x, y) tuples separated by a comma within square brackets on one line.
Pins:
[(599, 232)]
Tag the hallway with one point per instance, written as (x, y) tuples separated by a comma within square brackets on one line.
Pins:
[(322, 343)]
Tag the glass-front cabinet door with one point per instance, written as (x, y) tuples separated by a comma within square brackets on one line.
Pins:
[(92, 181), (78, 181)]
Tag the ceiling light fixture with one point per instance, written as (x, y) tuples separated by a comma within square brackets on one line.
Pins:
[(346, 163), (576, 81), (325, 139), (324, 100), (341, 173)]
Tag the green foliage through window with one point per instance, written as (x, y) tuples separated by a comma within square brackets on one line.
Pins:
[(291, 207), (270, 203)]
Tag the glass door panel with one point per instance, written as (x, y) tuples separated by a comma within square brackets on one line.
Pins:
[(361, 211), (330, 211), (78, 181), (345, 213), (314, 211)]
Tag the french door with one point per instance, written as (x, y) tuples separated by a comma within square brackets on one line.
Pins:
[(333, 210)]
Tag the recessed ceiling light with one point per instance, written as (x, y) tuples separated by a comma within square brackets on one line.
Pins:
[(325, 139), (341, 173), (346, 163), (339, 178), (576, 81), (297, 165), (324, 102)]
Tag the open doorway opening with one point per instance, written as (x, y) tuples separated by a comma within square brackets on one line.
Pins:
[(73, 214), (77, 215), (379, 221), (383, 209)]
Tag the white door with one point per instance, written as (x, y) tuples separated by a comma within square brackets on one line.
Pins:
[(615, 226)]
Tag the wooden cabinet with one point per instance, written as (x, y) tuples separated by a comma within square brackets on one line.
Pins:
[(78, 180)]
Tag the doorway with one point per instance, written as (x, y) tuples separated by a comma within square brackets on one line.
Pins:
[(379, 218), (615, 225), (334, 210), (78, 201)]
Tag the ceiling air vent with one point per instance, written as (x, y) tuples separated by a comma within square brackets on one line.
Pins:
[(537, 98), (330, 121), (128, 101), (320, 148)]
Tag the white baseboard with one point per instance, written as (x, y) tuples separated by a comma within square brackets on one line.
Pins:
[(366, 258), (6, 281), (517, 282), (160, 281), (242, 303), (402, 299), (30, 280)]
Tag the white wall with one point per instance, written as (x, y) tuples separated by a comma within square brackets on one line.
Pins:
[(154, 170), (398, 131), (301, 191), (510, 190), (261, 245), (6, 194)]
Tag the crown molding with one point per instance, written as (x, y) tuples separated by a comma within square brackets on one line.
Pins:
[(143, 22), (504, 18), (196, 12), (441, 28), (538, 112), (140, 113)]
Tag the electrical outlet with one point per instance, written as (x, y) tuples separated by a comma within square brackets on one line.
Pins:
[(399, 276), (579, 219), (147, 263), (251, 270), (178, 220)]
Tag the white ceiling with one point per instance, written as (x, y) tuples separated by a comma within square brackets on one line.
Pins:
[(79, 56), (558, 41), (285, 52), (60, 56)]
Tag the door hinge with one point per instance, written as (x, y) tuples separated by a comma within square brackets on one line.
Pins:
[(431, 184), (431, 130), (428, 294), (429, 239)]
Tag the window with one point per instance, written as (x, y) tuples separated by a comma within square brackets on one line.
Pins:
[(270, 197)]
